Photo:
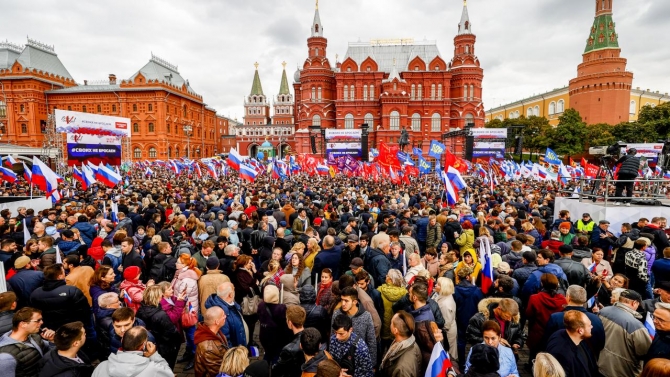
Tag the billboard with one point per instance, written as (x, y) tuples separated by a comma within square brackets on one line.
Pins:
[(73, 122), (648, 150), (342, 143), (96, 149), (489, 142)]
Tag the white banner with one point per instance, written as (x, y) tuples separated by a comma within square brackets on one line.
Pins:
[(489, 133), (73, 122), (648, 150), (489, 145), (92, 139), (343, 135)]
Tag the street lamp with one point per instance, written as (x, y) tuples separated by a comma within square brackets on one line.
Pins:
[(187, 131)]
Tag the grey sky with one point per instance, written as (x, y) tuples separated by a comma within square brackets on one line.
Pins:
[(525, 46)]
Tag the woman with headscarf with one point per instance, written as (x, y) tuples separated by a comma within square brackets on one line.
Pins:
[(297, 268), (444, 290), (274, 333), (233, 238), (245, 286), (185, 283), (466, 240), (289, 294), (469, 259)]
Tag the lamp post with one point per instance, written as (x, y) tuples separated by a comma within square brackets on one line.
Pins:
[(187, 131)]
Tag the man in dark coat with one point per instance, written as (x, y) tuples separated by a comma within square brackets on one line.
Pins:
[(25, 281), (660, 238), (60, 303), (660, 345), (86, 231), (377, 263), (317, 316), (601, 237), (329, 257), (569, 348), (130, 255), (66, 359), (291, 356), (628, 171)]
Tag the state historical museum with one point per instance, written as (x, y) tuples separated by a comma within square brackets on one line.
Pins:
[(390, 85)]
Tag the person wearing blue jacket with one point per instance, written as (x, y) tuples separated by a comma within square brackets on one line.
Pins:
[(545, 265), (422, 230), (234, 328), (467, 297), (86, 231)]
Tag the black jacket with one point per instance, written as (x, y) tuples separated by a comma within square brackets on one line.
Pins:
[(61, 304), (6, 321), (513, 331), (377, 264), (290, 360), (132, 259), (660, 346), (158, 322), (449, 228), (629, 167), (406, 305), (576, 272), (575, 360), (56, 365), (317, 316)]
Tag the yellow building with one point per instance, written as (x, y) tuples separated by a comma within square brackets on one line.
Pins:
[(552, 104)]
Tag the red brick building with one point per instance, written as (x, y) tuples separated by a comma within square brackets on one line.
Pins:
[(158, 100), (390, 85), (601, 90)]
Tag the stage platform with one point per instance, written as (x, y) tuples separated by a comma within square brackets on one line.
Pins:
[(616, 215)]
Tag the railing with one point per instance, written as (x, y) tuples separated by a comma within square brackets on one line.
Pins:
[(602, 190)]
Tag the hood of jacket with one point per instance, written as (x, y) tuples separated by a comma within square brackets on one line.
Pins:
[(289, 283), (50, 285), (114, 252), (58, 364), (188, 274), (148, 311), (552, 269), (553, 303), (126, 284), (126, 364), (391, 292), (203, 333), (487, 305), (307, 295)]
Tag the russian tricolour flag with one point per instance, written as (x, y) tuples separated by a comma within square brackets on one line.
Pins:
[(456, 178), (649, 325), (44, 178), (7, 174), (234, 159), (485, 260), (79, 176), (27, 173), (9, 161), (439, 362), (248, 172), (107, 176)]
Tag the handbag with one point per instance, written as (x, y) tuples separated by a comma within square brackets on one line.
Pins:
[(189, 318), (250, 304)]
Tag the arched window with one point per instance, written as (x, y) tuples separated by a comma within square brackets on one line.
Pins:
[(552, 108), (369, 120), (151, 107), (151, 127), (472, 92), (349, 121), (345, 93), (529, 112), (432, 91), (395, 120), (352, 92), (136, 127), (176, 152), (465, 92), (137, 153), (99, 108), (184, 111), (560, 107), (22, 108), (83, 109), (316, 120), (365, 92), (113, 108), (436, 123), (313, 93), (169, 129), (134, 107), (632, 108), (439, 91), (412, 92), (536, 111), (318, 94), (24, 128), (169, 152), (469, 120), (152, 152), (372, 92), (416, 122), (419, 92)]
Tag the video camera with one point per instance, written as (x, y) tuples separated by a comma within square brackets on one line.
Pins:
[(613, 151)]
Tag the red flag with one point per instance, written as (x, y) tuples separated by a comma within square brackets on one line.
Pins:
[(449, 159), (388, 155), (590, 170), (411, 170), (572, 162), (460, 165)]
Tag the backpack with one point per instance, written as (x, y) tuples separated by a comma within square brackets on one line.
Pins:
[(159, 271), (348, 361)]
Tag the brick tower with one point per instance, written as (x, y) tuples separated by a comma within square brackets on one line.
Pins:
[(601, 90), (314, 87), (283, 103), (256, 105)]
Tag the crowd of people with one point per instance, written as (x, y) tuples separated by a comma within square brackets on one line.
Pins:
[(321, 276)]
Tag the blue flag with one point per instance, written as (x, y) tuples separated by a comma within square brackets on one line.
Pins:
[(424, 166), (402, 156), (551, 157), (438, 167), (374, 152), (417, 151), (436, 149)]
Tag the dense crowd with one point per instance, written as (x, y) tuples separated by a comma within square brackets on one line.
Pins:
[(321, 276)]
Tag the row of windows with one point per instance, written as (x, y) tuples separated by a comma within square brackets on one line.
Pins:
[(268, 132), (256, 111), (153, 153), (436, 121), (349, 92), (150, 107), (555, 108)]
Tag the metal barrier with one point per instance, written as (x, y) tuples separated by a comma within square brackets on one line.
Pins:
[(602, 189)]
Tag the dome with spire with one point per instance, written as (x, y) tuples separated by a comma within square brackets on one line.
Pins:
[(266, 145), (465, 27), (296, 75)]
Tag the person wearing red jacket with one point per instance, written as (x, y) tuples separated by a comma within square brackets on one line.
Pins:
[(540, 307)]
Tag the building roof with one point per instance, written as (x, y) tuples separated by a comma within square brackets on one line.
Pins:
[(34, 55), (9, 52), (385, 53), (602, 34), (256, 87), (465, 27), (317, 27), (546, 95), (161, 70), (283, 87)]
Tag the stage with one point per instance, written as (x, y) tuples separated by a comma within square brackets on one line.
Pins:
[(616, 215)]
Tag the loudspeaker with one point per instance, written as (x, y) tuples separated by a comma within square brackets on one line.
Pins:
[(312, 142)]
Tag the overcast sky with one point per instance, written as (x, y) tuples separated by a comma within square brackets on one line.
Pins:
[(525, 46)]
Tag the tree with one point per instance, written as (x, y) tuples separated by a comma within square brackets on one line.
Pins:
[(568, 137), (599, 134), (536, 134), (658, 118), (635, 132)]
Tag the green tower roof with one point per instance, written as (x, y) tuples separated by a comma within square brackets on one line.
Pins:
[(256, 88), (283, 88), (602, 34)]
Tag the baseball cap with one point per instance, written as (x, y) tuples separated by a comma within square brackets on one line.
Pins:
[(356, 263), (352, 238), (21, 262), (603, 222), (504, 267), (212, 263), (664, 285), (631, 295)]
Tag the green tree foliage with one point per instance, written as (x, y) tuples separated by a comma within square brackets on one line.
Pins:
[(635, 132), (658, 118), (598, 134), (568, 137)]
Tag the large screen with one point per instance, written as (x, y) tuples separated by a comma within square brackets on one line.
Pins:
[(489, 142), (342, 143)]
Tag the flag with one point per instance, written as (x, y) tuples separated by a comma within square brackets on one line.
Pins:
[(388, 155), (649, 325), (551, 157), (27, 173), (58, 257), (43, 177), (9, 161), (115, 212), (449, 159), (439, 362), (89, 176), (248, 172), (417, 151), (79, 176), (452, 195), (436, 149), (7, 174), (234, 159), (592, 268), (26, 232), (591, 302), (127, 298), (485, 259), (424, 166), (148, 172), (456, 178), (107, 176)]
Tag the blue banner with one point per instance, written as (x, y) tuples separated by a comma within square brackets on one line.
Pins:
[(424, 166), (95, 153), (417, 151), (551, 157), (436, 149)]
